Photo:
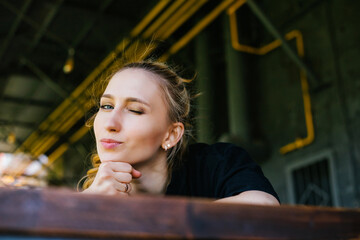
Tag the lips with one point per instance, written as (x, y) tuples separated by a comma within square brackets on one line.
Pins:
[(110, 143)]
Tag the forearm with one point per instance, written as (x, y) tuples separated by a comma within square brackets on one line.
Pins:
[(252, 197)]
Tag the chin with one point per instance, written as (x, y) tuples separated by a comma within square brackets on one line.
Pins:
[(108, 157)]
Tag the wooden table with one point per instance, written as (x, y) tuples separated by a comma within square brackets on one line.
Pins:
[(59, 213)]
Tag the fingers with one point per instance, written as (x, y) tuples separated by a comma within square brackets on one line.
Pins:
[(114, 178), (122, 187), (122, 177), (122, 167), (117, 166), (135, 173), (126, 187)]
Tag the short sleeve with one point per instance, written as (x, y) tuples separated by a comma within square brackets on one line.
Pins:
[(235, 172), (218, 171)]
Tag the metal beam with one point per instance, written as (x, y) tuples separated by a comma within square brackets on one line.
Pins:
[(272, 29), (86, 29), (28, 101), (14, 27), (5, 122), (45, 78), (45, 24), (35, 25), (47, 33)]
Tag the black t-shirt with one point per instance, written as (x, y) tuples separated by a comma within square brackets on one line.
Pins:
[(217, 171)]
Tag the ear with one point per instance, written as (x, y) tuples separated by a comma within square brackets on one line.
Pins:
[(175, 133)]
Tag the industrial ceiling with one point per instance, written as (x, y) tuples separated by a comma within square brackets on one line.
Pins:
[(52, 52)]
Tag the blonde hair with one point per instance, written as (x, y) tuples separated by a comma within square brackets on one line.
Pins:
[(177, 99)]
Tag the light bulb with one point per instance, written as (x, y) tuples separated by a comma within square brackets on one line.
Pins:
[(69, 64)]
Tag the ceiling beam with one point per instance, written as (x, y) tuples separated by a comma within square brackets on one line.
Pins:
[(5, 122), (35, 25), (14, 27), (87, 28), (63, 43), (43, 28), (28, 101), (45, 78)]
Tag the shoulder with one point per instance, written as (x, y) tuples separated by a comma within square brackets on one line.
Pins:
[(217, 158), (220, 147), (217, 171), (219, 151)]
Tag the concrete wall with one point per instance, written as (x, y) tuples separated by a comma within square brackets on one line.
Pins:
[(330, 37), (274, 99)]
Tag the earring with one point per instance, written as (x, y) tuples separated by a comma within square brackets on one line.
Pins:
[(166, 147)]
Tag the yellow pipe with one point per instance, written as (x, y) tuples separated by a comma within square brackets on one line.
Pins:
[(245, 48), (299, 41), (299, 142), (162, 18), (302, 142), (195, 30), (57, 153), (175, 18), (53, 127), (185, 17), (235, 6), (62, 148), (44, 145), (149, 17), (79, 134), (54, 130)]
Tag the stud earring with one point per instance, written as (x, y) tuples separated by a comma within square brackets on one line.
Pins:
[(166, 147)]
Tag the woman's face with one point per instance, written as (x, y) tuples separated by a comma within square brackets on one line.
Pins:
[(132, 121)]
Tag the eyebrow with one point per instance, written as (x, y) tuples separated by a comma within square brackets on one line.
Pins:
[(129, 99)]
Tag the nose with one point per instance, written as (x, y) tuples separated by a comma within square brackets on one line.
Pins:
[(113, 122)]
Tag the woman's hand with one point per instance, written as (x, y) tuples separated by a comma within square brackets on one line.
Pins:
[(113, 178)]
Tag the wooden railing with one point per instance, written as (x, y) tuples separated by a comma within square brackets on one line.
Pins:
[(62, 213)]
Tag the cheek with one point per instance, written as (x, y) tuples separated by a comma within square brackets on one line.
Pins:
[(96, 133), (96, 125), (149, 133)]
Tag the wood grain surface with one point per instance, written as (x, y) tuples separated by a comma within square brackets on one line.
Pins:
[(64, 213)]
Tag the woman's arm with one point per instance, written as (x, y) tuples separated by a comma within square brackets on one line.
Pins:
[(252, 197)]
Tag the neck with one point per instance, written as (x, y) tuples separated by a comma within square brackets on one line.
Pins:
[(154, 176)]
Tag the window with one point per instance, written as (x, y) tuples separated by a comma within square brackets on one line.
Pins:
[(312, 181)]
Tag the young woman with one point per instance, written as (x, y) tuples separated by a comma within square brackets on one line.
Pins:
[(141, 131)]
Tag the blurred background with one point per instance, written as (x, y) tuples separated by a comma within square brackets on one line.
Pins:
[(279, 78)]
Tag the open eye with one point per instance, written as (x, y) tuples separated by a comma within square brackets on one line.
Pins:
[(106, 106)]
